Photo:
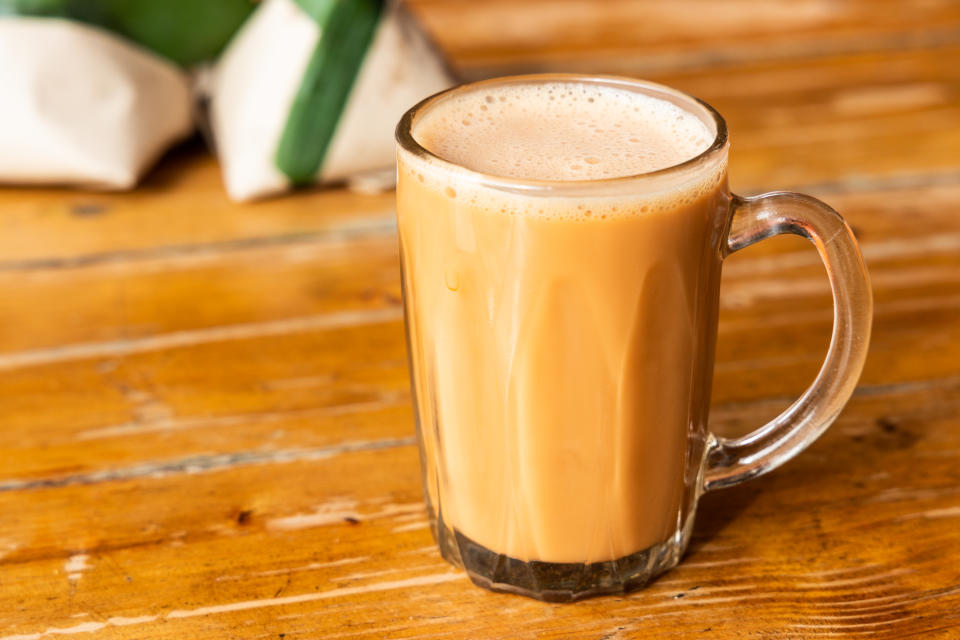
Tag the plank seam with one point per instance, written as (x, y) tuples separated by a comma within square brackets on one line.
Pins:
[(205, 463), (192, 337)]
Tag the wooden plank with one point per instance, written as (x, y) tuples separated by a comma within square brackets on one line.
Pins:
[(293, 364), (871, 118), (294, 397), (183, 554), (173, 402), (133, 298), (174, 411), (273, 382), (484, 38), (153, 295), (181, 208)]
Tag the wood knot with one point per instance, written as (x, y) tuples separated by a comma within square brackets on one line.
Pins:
[(889, 425)]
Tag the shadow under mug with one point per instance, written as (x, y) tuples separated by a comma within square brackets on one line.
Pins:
[(562, 424)]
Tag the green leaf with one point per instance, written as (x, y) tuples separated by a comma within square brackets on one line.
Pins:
[(346, 30), (185, 31)]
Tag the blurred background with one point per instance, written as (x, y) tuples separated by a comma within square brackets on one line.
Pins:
[(814, 91)]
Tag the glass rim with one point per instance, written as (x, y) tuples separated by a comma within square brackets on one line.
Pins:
[(408, 143)]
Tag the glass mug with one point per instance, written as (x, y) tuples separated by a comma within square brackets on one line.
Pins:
[(561, 367)]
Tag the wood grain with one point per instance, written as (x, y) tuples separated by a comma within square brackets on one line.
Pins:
[(206, 425), (646, 35)]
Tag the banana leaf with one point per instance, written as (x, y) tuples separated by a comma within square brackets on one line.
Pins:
[(184, 31), (346, 29)]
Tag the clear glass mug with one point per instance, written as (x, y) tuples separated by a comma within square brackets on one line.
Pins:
[(561, 369)]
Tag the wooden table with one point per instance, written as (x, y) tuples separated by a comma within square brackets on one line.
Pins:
[(206, 425)]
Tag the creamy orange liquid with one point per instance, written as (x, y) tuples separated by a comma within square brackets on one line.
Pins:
[(561, 346)]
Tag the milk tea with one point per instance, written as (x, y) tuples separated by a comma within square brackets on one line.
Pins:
[(561, 345)]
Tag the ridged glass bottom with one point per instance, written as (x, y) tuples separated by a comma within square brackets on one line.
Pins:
[(560, 581)]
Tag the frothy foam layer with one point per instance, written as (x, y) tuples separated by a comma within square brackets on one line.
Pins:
[(561, 131)]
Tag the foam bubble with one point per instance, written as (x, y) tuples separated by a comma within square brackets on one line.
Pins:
[(563, 131), (546, 130)]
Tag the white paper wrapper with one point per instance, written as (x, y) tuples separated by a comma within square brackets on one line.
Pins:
[(81, 106), (258, 76)]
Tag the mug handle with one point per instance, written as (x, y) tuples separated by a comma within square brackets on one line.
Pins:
[(730, 461)]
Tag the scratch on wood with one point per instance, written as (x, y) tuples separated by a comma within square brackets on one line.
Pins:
[(8, 546), (310, 597), (313, 566), (419, 550), (330, 512), (75, 566), (337, 511), (948, 243), (825, 315), (364, 575), (383, 225), (948, 512), (842, 571), (836, 627), (204, 464), (859, 580), (909, 386), (90, 627), (409, 517), (717, 563), (85, 627), (381, 401), (906, 494), (178, 339), (896, 600), (742, 293), (730, 410)]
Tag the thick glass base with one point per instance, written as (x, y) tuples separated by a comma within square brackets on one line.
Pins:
[(560, 581)]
